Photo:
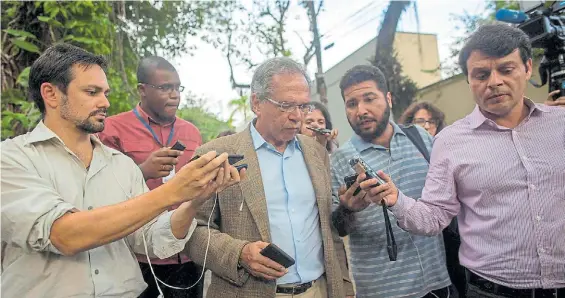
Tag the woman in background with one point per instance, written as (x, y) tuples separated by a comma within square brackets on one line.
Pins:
[(426, 115), (320, 118)]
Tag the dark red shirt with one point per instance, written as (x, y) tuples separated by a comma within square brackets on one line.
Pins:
[(127, 134)]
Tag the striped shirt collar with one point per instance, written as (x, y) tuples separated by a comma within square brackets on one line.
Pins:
[(362, 145), (477, 118)]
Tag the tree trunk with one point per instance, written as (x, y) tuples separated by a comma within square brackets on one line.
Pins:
[(385, 38)]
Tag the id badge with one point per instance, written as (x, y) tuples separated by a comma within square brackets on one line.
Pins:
[(170, 176)]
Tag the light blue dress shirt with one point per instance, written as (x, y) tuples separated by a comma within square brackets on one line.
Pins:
[(294, 221)]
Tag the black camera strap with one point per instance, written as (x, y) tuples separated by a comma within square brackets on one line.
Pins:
[(390, 242)]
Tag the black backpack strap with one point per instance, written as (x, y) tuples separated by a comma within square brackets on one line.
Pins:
[(451, 233), (414, 136)]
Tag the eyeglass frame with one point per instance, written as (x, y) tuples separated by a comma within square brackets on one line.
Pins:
[(431, 122), (161, 88), (293, 107)]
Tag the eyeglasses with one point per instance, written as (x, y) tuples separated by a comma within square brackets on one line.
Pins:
[(167, 88), (289, 108), (422, 122)]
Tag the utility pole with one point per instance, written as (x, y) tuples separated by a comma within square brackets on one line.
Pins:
[(320, 82)]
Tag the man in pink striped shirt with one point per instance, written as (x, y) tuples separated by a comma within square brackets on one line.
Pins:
[(501, 171)]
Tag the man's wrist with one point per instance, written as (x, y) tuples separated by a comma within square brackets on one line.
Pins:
[(240, 263), (171, 193), (142, 168)]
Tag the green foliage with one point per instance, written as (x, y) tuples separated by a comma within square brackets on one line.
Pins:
[(240, 106), (122, 31), (209, 124), (249, 35)]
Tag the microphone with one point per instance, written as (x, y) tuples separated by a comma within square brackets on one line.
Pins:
[(511, 16)]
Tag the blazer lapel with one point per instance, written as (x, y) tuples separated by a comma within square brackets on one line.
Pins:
[(317, 171), (252, 187)]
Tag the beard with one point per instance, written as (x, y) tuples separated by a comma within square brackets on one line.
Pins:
[(370, 135), (88, 124)]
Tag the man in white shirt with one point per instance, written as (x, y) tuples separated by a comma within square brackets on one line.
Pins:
[(73, 210)]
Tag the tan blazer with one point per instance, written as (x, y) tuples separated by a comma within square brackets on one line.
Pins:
[(231, 228)]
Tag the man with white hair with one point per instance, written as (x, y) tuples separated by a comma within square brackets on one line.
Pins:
[(285, 201)]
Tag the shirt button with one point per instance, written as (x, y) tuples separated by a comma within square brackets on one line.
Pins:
[(96, 271), (538, 218), (89, 207), (532, 186), (525, 157), (541, 250), (292, 210)]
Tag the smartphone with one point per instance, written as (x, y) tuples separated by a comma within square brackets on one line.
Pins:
[(178, 146), (349, 180), (276, 254), (232, 158), (320, 130), (360, 166), (241, 166)]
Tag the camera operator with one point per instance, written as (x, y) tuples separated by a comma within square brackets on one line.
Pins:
[(501, 171)]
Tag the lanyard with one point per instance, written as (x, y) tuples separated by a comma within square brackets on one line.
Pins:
[(153, 132)]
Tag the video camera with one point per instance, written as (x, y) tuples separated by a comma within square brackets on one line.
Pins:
[(544, 23)]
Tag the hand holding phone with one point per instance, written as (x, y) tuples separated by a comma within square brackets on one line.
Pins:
[(179, 146), (160, 163), (259, 265), (232, 158), (276, 254), (352, 200), (360, 167), (350, 180)]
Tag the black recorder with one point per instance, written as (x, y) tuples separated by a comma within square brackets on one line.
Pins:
[(320, 130), (178, 146), (232, 159), (360, 166)]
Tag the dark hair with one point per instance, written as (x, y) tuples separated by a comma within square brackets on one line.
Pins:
[(363, 73), (149, 64), (496, 40), (225, 133), (408, 115), (55, 66), (319, 106)]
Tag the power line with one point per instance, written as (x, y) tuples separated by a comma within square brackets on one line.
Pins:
[(340, 23), (360, 22), (358, 27)]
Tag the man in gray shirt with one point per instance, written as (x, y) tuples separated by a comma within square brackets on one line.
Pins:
[(74, 210), (419, 270)]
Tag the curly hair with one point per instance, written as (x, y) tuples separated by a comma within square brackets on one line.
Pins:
[(408, 115)]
